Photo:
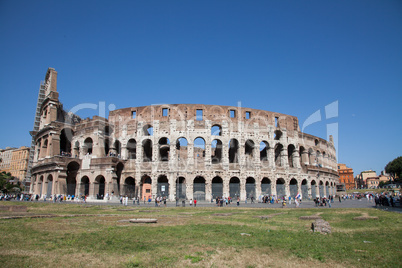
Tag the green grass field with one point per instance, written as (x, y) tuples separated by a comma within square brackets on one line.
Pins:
[(88, 236)]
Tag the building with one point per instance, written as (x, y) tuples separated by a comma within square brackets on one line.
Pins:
[(185, 151), (361, 179), (372, 182), (19, 165), (5, 159), (15, 161), (346, 176)]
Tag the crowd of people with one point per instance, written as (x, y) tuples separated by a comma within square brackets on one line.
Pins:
[(379, 199)]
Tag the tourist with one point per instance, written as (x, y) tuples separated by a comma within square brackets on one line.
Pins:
[(195, 202)]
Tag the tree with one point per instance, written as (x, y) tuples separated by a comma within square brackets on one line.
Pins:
[(5, 185), (394, 168)]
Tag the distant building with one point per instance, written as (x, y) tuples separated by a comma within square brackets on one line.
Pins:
[(372, 182), (361, 179), (15, 161), (5, 159), (19, 162), (346, 176)]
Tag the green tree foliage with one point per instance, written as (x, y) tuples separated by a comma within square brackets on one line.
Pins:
[(395, 168), (5, 185)]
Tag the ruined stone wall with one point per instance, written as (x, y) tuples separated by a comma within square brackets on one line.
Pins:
[(183, 151)]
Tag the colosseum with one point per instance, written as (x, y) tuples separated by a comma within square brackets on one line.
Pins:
[(177, 151)]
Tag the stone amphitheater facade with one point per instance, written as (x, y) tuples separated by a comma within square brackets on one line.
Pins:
[(179, 151)]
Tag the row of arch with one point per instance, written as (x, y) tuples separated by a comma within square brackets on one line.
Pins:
[(98, 188), (250, 151)]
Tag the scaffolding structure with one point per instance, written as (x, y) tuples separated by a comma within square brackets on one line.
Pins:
[(41, 98)]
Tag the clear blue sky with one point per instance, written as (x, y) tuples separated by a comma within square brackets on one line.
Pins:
[(293, 57)]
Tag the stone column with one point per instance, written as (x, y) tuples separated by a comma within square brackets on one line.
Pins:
[(296, 159), (287, 189), (190, 189), (257, 188), (225, 154), (273, 188), (173, 162), (271, 157), (305, 159), (155, 149), (309, 186), (54, 147), (243, 194), (225, 186), (317, 190), (208, 189), (98, 144), (139, 152), (172, 186)]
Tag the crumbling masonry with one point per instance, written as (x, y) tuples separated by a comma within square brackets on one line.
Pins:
[(184, 151)]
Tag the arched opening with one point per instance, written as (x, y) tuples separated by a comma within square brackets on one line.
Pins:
[(264, 146), (278, 154), (76, 150), (181, 188), (119, 170), (318, 159), (234, 187), (39, 147), (66, 136), (88, 146), (304, 188), (321, 189), (249, 151), (327, 189), (216, 130), (266, 186), (233, 151), (129, 187), (44, 148), (302, 156), (146, 187), (163, 186), (84, 186), (49, 183), (199, 188), (293, 188), (277, 135), (107, 147), (117, 147), (311, 157), (148, 130), (100, 187), (132, 149), (71, 182), (313, 189), (217, 187), (250, 187), (199, 149), (40, 183), (280, 188), (216, 151), (164, 149), (181, 149), (107, 130), (147, 150), (291, 151)]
